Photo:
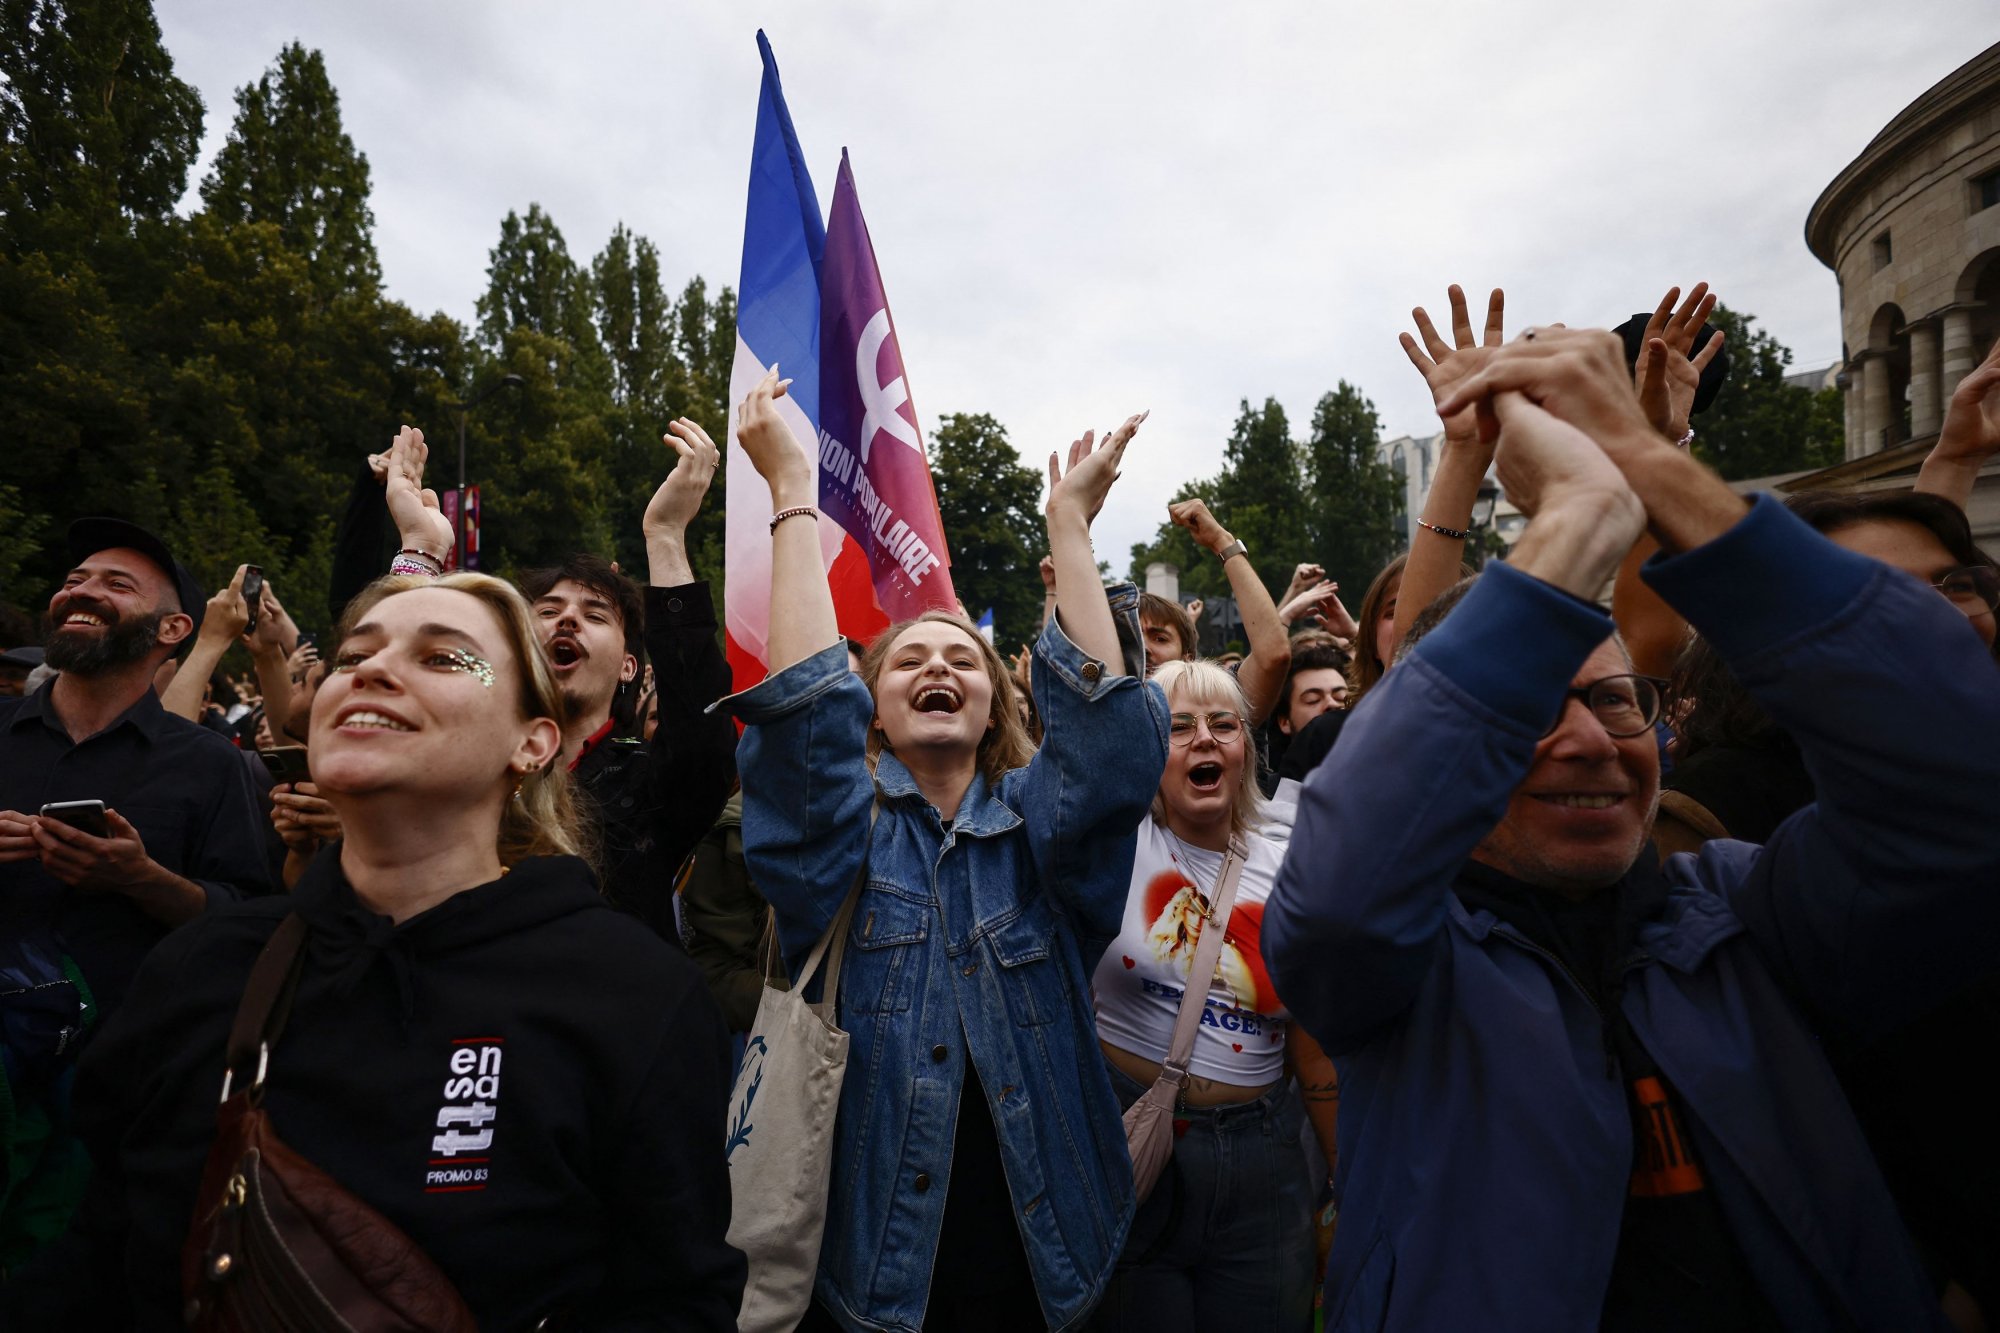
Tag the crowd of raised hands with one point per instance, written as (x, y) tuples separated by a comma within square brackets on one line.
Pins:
[(1475, 1048)]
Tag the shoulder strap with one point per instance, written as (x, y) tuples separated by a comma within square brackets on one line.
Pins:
[(1201, 974), (266, 1003)]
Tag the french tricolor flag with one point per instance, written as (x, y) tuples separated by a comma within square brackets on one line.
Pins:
[(811, 300)]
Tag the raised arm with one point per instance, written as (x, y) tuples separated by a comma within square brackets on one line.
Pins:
[(221, 625), (1437, 547), (807, 786), (1351, 929), (1263, 671), (691, 759), (1970, 436), (802, 619), (1075, 497), (270, 643), (420, 522), (1666, 377)]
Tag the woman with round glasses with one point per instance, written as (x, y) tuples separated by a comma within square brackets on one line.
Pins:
[(1738, 775), (1225, 1240)]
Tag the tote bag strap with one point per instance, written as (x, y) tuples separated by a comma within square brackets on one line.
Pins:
[(1201, 975)]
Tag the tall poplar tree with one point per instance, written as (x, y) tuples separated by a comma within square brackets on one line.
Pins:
[(288, 162)]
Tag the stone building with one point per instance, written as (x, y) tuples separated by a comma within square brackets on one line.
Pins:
[(1911, 229)]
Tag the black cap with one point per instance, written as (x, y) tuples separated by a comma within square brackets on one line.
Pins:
[(1633, 331), (28, 657), (88, 536)]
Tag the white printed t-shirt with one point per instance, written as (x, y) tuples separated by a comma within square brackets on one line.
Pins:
[(1138, 984)]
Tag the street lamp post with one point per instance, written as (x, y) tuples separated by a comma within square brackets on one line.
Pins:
[(464, 409)]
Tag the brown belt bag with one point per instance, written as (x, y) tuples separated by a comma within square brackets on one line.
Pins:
[(276, 1242)]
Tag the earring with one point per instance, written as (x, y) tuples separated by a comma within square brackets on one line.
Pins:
[(520, 776)]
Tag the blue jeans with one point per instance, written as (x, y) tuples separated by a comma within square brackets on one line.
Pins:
[(1225, 1241)]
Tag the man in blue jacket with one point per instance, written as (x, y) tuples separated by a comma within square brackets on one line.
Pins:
[(1580, 1089)]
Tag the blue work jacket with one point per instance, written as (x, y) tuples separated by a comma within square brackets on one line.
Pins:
[(1485, 1147), (972, 940)]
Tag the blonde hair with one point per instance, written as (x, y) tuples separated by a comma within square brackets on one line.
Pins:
[(1006, 744), (543, 819), (1205, 682)]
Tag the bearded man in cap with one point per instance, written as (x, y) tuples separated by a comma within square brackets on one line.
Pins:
[(182, 821)]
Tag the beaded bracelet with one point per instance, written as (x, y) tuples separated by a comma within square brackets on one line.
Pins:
[(409, 560), (1456, 534), (793, 512)]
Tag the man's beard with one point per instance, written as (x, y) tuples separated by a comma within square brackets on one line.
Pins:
[(123, 642)]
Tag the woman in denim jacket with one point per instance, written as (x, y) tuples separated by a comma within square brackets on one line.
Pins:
[(980, 1176)]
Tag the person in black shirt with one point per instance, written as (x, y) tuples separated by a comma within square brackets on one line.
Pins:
[(647, 804), (530, 1085), (184, 827), (184, 834)]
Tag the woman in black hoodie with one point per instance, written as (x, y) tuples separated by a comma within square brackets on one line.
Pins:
[(527, 1082)]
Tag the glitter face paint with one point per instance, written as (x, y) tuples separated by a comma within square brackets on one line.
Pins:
[(462, 659), (453, 659)]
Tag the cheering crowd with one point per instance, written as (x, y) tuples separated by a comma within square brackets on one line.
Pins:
[(1483, 959)]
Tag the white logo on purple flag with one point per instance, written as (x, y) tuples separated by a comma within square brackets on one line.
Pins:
[(881, 405)]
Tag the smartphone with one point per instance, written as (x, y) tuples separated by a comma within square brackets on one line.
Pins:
[(85, 815), (253, 595), (287, 763)]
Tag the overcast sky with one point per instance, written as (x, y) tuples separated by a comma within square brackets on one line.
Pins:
[(1085, 209)]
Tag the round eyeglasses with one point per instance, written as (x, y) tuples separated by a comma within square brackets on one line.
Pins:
[(1973, 589), (1223, 728), (1623, 705)]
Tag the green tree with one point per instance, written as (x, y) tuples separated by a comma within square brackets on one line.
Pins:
[(1351, 494), (288, 162), (990, 505), (96, 131), (1759, 425), (532, 283)]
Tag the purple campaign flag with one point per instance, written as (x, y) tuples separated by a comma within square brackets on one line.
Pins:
[(875, 479)]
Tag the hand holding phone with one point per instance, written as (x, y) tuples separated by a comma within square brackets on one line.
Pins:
[(287, 763), (253, 595), (84, 816)]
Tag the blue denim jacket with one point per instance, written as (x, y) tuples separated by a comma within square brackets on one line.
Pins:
[(1485, 1148), (981, 935)]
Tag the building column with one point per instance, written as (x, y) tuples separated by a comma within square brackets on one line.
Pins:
[(1876, 409), (1926, 402), (1959, 354), (1850, 401)]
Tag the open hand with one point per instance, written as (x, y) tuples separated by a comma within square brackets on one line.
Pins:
[(419, 520), (774, 451), (678, 499), (1321, 601), (1665, 375), (86, 862), (1443, 364), (1971, 431), (1092, 468)]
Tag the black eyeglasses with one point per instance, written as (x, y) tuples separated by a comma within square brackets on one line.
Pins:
[(1973, 589), (1623, 705)]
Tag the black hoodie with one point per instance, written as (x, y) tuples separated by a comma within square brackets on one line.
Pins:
[(528, 1082)]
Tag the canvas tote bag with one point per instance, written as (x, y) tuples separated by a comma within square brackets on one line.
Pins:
[(780, 1144), (1149, 1122)]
